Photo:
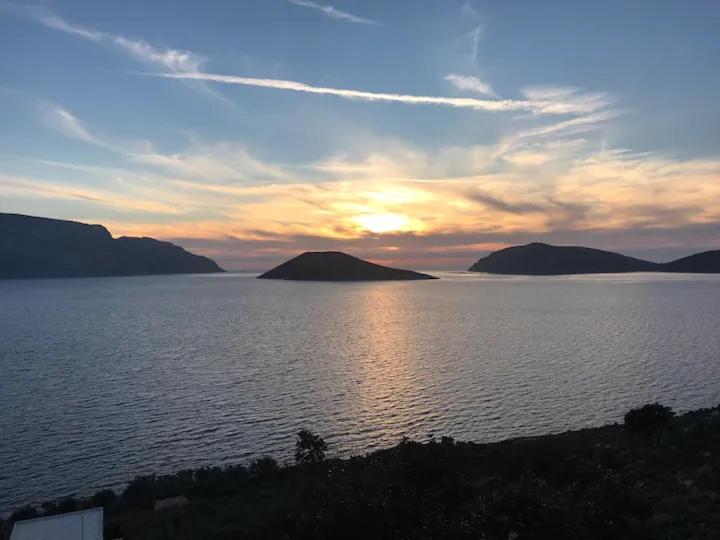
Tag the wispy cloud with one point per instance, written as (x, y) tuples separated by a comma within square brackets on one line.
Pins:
[(175, 60), (58, 23), (133, 201), (332, 12), (222, 163), (226, 163), (496, 203), (588, 192), (573, 105), (67, 124), (468, 8), (162, 58), (475, 34), (14, 183), (472, 84), (572, 126)]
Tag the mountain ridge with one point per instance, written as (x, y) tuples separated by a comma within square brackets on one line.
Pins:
[(540, 259), (38, 247)]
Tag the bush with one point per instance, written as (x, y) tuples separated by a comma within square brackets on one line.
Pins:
[(309, 448), (104, 498), (263, 467), (26, 512), (49, 508), (648, 419), (140, 492), (67, 505)]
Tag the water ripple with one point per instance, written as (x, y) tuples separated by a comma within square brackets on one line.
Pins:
[(104, 379)]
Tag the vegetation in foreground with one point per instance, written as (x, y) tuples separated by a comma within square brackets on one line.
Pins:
[(655, 477)]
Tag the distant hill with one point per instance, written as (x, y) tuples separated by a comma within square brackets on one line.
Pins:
[(545, 260), (539, 259), (707, 262), (35, 247), (337, 266)]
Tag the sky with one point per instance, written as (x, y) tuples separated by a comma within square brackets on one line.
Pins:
[(417, 133)]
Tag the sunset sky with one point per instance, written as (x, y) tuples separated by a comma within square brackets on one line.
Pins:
[(417, 133)]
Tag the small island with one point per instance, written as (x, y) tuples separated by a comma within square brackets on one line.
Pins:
[(36, 247), (538, 259), (337, 266)]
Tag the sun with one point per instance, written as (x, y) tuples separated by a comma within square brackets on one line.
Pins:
[(382, 223)]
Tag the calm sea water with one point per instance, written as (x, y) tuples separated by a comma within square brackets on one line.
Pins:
[(105, 379)]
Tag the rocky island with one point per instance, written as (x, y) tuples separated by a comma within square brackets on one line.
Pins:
[(36, 247), (337, 266), (538, 259)]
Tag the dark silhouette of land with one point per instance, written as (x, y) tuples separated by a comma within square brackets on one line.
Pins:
[(656, 476), (538, 259), (337, 266), (706, 262), (35, 247)]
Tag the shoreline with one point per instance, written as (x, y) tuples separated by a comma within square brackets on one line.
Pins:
[(591, 483)]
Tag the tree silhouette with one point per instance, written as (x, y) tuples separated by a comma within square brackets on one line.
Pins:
[(648, 419), (309, 448)]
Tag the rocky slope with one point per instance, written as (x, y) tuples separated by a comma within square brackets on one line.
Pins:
[(337, 266), (34, 247)]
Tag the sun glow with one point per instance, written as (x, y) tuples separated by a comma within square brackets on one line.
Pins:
[(382, 223)]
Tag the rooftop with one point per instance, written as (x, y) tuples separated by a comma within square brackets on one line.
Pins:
[(82, 525)]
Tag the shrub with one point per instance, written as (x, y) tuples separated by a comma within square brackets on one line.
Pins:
[(309, 448), (648, 419), (49, 508), (26, 512), (140, 492), (103, 498), (67, 505), (447, 441), (265, 466)]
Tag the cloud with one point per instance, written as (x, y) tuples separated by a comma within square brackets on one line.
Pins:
[(472, 189), (220, 162), (527, 159), (548, 92), (577, 104), (496, 203), (166, 59), (475, 34), (450, 202), (572, 126), (131, 202), (175, 60), (58, 23), (333, 12), (570, 97), (468, 8), (443, 250), (472, 84), (172, 59), (605, 199), (67, 124), (44, 189)]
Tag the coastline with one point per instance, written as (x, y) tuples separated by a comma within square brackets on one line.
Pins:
[(593, 483)]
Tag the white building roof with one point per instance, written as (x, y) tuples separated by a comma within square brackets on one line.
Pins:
[(82, 525)]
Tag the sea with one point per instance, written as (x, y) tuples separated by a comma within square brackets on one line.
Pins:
[(104, 379)]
